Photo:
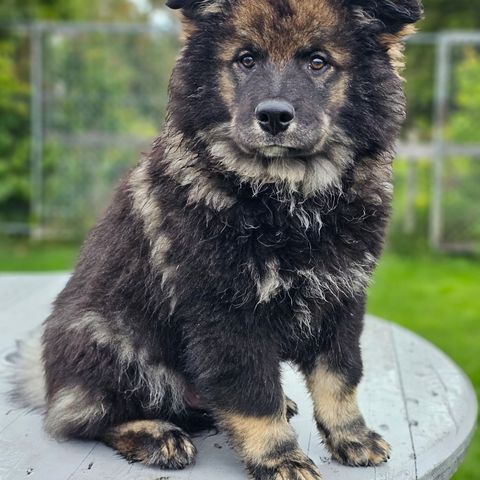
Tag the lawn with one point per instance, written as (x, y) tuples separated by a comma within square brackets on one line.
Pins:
[(436, 296), (24, 256)]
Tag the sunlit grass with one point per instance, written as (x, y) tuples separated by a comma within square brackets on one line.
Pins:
[(26, 256)]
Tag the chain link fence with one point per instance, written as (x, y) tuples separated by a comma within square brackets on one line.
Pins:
[(96, 99), (94, 96), (438, 167)]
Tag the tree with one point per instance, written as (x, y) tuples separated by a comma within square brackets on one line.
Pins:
[(440, 15)]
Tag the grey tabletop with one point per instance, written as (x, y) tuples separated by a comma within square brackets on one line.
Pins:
[(415, 396)]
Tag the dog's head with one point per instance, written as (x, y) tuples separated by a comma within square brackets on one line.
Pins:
[(307, 84)]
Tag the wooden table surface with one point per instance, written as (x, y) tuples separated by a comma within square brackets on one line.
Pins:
[(412, 394)]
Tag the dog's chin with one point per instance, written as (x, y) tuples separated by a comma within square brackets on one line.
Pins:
[(278, 151), (272, 152), (275, 150)]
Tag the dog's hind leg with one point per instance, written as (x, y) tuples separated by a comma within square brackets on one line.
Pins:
[(129, 406), (74, 412)]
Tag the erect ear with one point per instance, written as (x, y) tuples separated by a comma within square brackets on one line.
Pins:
[(391, 16), (390, 21), (204, 6), (177, 4)]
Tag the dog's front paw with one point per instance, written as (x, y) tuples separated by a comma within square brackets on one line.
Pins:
[(358, 448), (293, 465)]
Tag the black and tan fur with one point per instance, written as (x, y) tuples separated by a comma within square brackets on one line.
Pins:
[(232, 247)]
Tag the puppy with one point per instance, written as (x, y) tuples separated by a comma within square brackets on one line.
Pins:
[(246, 237)]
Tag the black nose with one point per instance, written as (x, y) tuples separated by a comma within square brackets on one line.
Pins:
[(275, 116)]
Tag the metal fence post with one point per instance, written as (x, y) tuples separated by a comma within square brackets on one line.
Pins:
[(410, 220), (442, 83), (36, 77)]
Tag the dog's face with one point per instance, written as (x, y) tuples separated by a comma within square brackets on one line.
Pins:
[(296, 82), (284, 76)]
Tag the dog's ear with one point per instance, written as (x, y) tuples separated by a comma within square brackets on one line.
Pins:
[(390, 21), (195, 5), (391, 16), (177, 4)]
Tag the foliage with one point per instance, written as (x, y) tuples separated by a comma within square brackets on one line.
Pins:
[(440, 15), (100, 89), (460, 205), (400, 239), (106, 101), (461, 175), (464, 122), (448, 15), (14, 140), (106, 10)]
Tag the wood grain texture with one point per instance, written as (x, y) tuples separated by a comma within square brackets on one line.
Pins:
[(412, 394)]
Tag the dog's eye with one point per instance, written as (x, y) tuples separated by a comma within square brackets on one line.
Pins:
[(247, 60), (317, 62)]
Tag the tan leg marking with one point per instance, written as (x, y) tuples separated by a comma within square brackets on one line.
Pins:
[(341, 422), (333, 403), (268, 445), (257, 437)]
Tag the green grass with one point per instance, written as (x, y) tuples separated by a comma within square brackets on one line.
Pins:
[(25, 256), (435, 296)]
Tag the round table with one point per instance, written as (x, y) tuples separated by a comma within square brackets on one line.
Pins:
[(412, 394)]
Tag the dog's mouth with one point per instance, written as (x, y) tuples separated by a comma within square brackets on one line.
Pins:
[(270, 151), (280, 151), (283, 149)]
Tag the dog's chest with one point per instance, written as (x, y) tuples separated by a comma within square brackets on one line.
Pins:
[(302, 259)]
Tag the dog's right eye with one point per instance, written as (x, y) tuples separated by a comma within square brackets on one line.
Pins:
[(247, 60)]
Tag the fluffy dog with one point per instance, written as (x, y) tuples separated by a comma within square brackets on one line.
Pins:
[(246, 237)]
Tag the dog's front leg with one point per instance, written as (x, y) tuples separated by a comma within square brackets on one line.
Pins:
[(332, 378), (238, 375)]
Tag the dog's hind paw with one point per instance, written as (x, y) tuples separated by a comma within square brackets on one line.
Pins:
[(152, 442)]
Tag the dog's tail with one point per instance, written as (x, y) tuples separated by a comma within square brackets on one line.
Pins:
[(26, 372)]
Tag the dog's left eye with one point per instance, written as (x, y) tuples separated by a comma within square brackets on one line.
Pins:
[(317, 62)]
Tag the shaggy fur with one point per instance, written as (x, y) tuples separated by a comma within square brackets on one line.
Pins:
[(232, 247)]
